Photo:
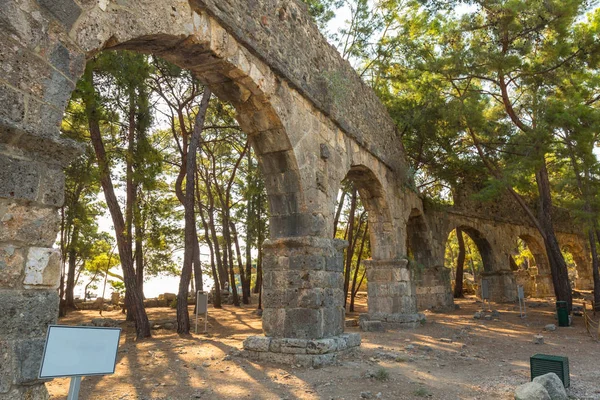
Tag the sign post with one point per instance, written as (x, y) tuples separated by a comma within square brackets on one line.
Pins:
[(485, 293), (202, 308), (521, 296), (76, 351)]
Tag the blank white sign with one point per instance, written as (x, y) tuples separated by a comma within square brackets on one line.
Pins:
[(79, 351), (202, 305)]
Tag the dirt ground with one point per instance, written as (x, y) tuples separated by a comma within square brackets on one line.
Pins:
[(478, 359)]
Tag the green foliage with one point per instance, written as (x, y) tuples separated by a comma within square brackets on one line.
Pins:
[(473, 261), (422, 392), (381, 374)]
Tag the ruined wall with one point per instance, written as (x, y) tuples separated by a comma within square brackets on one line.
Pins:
[(309, 117), (281, 32)]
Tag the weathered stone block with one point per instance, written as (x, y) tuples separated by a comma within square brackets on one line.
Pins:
[(310, 298), (303, 323), (52, 187), (19, 179), (257, 343), (29, 392), (42, 267), (70, 62), (65, 11), (334, 263), (333, 321), (273, 320), (26, 314), (352, 339), (293, 346), (6, 366), (372, 326), (28, 358), (278, 358), (13, 109), (322, 346), (307, 262), (12, 263), (27, 224)]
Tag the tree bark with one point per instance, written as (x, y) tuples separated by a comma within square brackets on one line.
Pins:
[(360, 252), (183, 317), (69, 296), (132, 295), (229, 254), (213, 267), (338, 212), (349, 249), (243, 281), (558, 266), (460, 265)]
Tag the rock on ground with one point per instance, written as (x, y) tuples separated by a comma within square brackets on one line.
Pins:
[(553, 385), (532, 391)]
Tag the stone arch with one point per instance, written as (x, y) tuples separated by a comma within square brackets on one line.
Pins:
[(483, 246), (279, 105), (373, 197), (198, 43), (581, 255), (432, 279), (418, 237), (541, 275)]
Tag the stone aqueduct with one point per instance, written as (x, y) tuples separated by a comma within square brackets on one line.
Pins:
[(310, 119)]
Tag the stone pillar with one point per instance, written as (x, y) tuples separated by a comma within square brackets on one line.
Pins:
[(501, 284), (527, 280), (544, 285), (391, 294), (303, 303), (434, 289), (30, 192)]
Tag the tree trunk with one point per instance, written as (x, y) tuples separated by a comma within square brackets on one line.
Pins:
[(197, 262), (360, 252), (595, 271), (183, 317), (132, 295), (260, 238), (250, 218), (460, 265), (139, 264), (213, 267), (244, 282), (229, 254), (69, 295), (349, 249), (558, 266), (338, 212)]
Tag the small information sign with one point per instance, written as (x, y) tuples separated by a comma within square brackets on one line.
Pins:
[(202, 308), (77, 351)]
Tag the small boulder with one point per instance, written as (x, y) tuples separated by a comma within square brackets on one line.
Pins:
[(538, 339), (553, 385), (477, 315), (532, 391), (550, 327), (372, 326)]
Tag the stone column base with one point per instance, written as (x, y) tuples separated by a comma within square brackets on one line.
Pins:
[(368, 322), (304, 352), (502, 285), (544, 285)]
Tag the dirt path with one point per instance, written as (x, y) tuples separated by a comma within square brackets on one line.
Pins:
[(478, 359)]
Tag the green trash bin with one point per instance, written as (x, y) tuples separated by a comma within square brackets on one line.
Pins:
[(562, 312)]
